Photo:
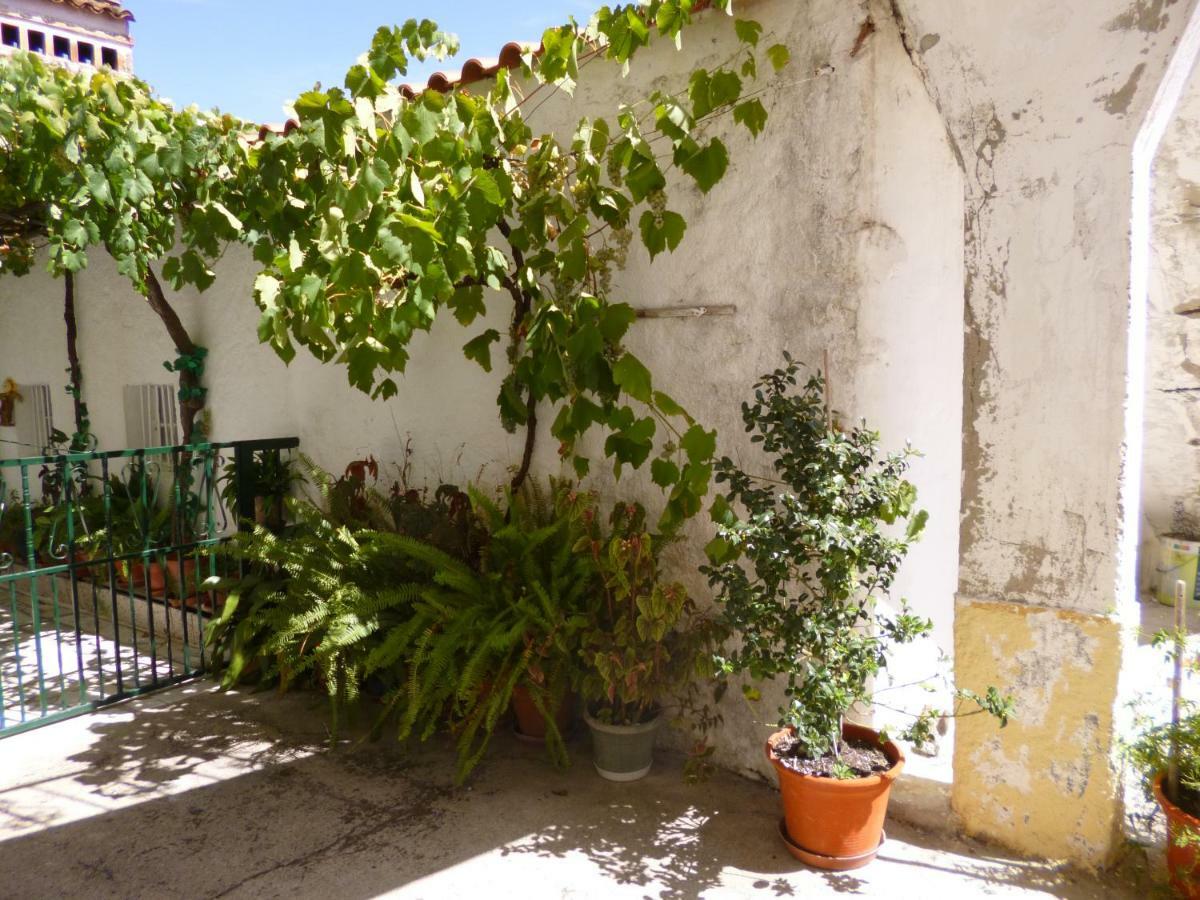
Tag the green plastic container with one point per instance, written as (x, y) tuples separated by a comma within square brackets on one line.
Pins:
[(1177, 559), (623, 752)]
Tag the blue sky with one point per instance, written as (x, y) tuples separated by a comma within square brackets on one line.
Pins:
[(249, 56)]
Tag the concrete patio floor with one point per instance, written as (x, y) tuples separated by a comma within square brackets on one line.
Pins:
[(195, 793)]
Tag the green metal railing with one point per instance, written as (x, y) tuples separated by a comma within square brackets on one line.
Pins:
[(108, 571)]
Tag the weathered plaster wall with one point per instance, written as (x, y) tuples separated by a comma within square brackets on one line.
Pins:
[(839, 230), (1044, 102), (1170, 500), (851, 244), (1052, 797)]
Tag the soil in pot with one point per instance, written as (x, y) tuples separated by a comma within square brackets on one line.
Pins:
[(836, 820), (1183, 863), (530, 723), (863, 757), (623, 752)]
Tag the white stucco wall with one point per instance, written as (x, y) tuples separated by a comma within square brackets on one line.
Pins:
[(1171, 498), (839, 230)]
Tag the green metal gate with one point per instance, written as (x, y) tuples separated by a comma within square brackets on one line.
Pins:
[(105, 567)]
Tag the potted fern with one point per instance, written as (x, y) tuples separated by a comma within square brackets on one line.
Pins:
[(645, 643), (481, 637), (803, 558)]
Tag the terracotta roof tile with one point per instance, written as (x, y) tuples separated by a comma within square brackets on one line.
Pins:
[(474, 69), (101, 7), (479, 68)]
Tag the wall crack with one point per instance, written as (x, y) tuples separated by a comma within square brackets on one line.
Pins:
[(918, 63)]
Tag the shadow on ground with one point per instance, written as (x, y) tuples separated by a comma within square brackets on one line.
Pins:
[(201, 794)]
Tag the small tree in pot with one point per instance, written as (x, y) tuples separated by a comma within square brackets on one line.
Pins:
[(799, 577)]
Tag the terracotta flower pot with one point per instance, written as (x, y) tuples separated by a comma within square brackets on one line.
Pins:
[(138, 573), (182, 579), (1182, 863), (83, 571), (836, 824), (530, 722)]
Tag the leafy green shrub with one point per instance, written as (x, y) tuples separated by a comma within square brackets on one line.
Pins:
[(140, 515), (799, 573), (645, 643), (270, 478), (444, 519), (1150, 754)]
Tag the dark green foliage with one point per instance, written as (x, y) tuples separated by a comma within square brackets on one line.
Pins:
[(354, 500), (141, 514), (12, 525), (804, 556), (314, 606), (443, 623), (480, 634), (645, 644), (269, 479)]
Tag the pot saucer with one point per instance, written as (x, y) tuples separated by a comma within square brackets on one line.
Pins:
[(829, 863)]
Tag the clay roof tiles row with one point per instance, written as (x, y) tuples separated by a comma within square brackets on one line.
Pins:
[(474, 69), (478, 68), (101, 7)]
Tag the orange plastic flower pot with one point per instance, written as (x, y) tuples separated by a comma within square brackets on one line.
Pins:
[(154, 574), (1181, 861), (182, 579), (838, 820), (530, 722)]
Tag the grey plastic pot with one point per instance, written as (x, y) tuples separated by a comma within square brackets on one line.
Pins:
[(623, 752)]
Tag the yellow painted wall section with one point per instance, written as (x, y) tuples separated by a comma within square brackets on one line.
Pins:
[(1044, 785)]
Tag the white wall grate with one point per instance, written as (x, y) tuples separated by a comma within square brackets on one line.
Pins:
[(151, 415), (34, 419)]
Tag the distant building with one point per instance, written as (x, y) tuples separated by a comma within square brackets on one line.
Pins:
[(77, 33)]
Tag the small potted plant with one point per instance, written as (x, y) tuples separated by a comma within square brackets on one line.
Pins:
[(803, 556), (270, 479), (645, 643), (66, 522), (137, 521), (1167, 756)]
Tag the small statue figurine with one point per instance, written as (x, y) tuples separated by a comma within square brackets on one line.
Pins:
[(9, 395)]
